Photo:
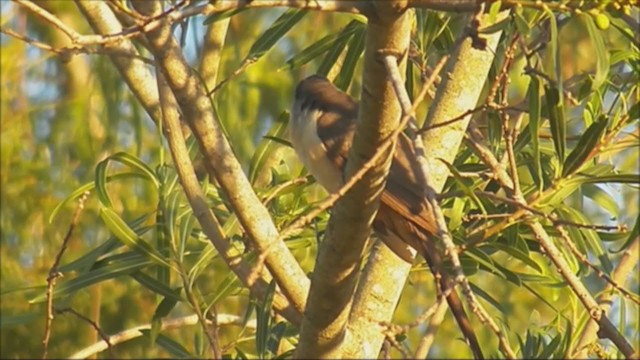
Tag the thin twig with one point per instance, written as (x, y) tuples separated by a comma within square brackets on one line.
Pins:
[(171, 121), (66, 52), (93, 324), (54, 274), (422, 351), (552, 252), (430, 195), (172, 14), (601, 274)]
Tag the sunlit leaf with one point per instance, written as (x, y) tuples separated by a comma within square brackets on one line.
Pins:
[(114, 267), (127, 236), (602, 56), (586, 146), (267, 147), (223, 15), (275, 32), (356, 47), (557, 121), (173, 347)]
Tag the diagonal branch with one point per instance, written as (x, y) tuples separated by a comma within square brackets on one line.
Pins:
[(442, 231), (337, 268), (143, 86), (198, 112)]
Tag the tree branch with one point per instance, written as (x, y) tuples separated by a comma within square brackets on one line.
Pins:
[(142, 84), (627, 263), (167, 324), (198, 112), (337, 267), (458, 94)]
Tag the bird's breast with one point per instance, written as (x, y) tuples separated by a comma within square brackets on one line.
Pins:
[(312, 151)]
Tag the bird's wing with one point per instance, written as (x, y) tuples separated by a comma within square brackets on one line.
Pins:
[(402, 193)]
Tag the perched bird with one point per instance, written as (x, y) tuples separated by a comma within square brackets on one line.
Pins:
[(321, 130)]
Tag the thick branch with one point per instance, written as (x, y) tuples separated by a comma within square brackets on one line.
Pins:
[(210, 225), (337, 268), (142, 84), (198, 112)]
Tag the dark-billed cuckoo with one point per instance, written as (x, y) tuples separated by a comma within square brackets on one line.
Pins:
[(321, 129)]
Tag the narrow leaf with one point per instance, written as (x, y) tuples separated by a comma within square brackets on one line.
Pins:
[(223, 15), (585, 147), (88, 187), (602, 56), (173, 347), (534, 128), (326, 44), (121, 264), (126, 235), (338, 46), (556, 121), (267, 147), (155, 286), (356, 47), (274, 33)]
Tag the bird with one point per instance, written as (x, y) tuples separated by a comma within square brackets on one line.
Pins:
[(321, 130)]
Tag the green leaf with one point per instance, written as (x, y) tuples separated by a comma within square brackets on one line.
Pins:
[(125, 159), (592, 241), (556, 121), (521, 24), (226, 287), (223, 15), (278, 140), (275, 338), (467, 190), (634, 111), (585, 147), (156, 286), (602, 198), (263, 319), (356, 47), (173, 347), (167, 304), (483, 294), (266, 148), (127, 236), (275, 32), (87, 260), (332, 43), (548, 350), (494, 9), (518, 254), (101, 181), (534, 128), (136, 164), (602, 56), (554, 65), (334, 52), (632, 236), (88, 187), (109, 268)]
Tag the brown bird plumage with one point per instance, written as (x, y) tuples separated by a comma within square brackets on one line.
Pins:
[(403, 217)]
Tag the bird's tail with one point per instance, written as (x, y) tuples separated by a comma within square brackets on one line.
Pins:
[(434, 260)]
